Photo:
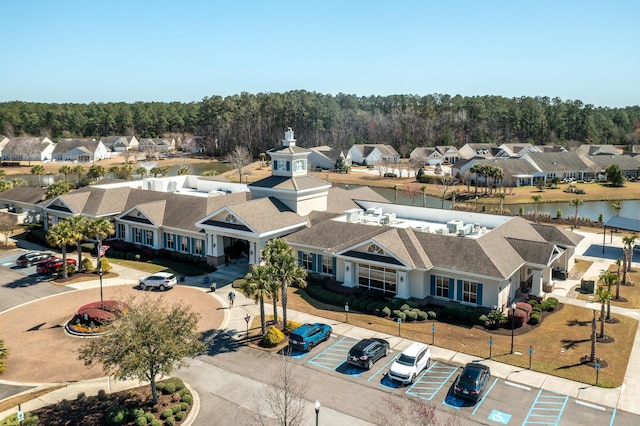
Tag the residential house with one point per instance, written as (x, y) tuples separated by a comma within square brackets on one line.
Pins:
[(561, 165), (450, 154), (27, 148), (80, 150), (627, 164), (120, 143), (157, 146), (484, 150), (372, 154), (515, 171), (324, 157), (426, 155), (516, 149), (591, 150), (3, 141), (193, 145)]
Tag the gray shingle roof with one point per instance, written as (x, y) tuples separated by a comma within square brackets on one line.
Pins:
[(266, 214), (340, 200), (298, 183)]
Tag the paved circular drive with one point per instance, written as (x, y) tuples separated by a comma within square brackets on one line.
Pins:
[(41, 352)]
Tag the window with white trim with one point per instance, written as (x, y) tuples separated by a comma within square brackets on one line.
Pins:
[(299, 165), (148, 237), (199, 247), (230, 219), (469, 292), (170, 242), (307, 261), (327, 265), (184, 243), (442, 286), (137, 235), (377, 278), (122, 231)]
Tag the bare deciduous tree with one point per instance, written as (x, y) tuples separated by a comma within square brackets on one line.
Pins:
[(409, 411), (7, 226), (283, 400), (239, 158)]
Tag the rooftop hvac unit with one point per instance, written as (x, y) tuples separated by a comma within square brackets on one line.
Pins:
[(467, 229), (353, 215), (454, 226), (374, 210), (476, 228), (424, 229), (441, 231), (391, 217), (483, 230)]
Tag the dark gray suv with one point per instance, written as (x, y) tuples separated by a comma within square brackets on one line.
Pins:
[(366, 352)]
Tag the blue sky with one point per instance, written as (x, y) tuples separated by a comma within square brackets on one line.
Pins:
[(137, 50)]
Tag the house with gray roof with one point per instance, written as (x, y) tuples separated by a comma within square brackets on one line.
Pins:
[(324, 157), (450, 154), (23, 204), (515, 171), (426, 155), (372, 154), (516, 149), (562, 165), (27, 148), (591, 150), (484, 150), (80, 150), (120, 143), (627, 164)]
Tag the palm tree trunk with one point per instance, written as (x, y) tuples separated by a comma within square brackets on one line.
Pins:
[(602, 321), (263, 323), (65, 273), (79, 248), (275, 308), (284, 304)]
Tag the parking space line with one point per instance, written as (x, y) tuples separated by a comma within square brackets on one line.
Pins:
[(430, 383), (381, 369), (546, 409), (484, 396), (335, 355)]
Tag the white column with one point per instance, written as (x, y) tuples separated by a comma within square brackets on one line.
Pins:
[(536, 282)]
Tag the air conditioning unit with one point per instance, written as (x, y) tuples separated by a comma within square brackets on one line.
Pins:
[(441, 231), (374, 210), (353, 215), (454, 226), (424, 229), (391, 217)]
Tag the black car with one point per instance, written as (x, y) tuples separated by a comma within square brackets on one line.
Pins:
[(471, 383), (32, 258), (367, 351)]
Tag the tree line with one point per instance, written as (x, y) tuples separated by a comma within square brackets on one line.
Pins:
[(258, 121)]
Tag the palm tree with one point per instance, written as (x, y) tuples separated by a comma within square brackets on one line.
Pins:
[(536, 200), (142, 171), (423, 189), (576, 202), (65, 170), (278, 255), (628, 242), (100, 228), (501, 196), (617, 206), (96, 172), (114, 171), (395, 189), (39, 171), (476, 169), (127, 171), (592, 357), (210, 173), (184, 170), (4, 353), (5, 186), (603, 297), (79, 224), (18, 182), (78, 171), (3, 174), (609, 278), (60, 235), (454, 193), (257, 286)]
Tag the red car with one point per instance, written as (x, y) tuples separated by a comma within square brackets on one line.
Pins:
[(54, 265)]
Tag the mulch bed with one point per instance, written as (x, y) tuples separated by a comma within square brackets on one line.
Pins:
[(90, 411)]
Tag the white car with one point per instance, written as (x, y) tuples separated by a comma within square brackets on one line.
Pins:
[(161, 280), (410, 363)]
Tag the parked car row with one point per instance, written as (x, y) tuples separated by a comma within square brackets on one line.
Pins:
[(406, 368), (45, 263)]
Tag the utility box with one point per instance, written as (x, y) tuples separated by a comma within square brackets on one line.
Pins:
[(587, 286)]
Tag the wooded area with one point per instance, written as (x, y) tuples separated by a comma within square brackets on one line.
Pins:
[(258, 121)]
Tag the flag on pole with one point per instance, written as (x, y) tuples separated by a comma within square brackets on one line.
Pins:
[(103, 250)]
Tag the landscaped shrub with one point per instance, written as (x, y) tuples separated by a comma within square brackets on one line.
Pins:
[(527, 308), (432, 315), (395, 313), (272, 337), (405, 307), (184, 406), (176, 408), (536, 318), (87, 264), (386, 312), (371, 306), (170, 421), (106, 266), (411, 315), (168, 412), (291, 325), (141, 421), (553, 302), (135, 413), (150, 417), (422, 316), (155, 422), (402, 315), (362, 304), (116, 416), (180, 415), (12, 420), (549, 304), (169, 388)]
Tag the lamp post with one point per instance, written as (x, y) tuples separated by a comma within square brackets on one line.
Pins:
[(346, 312), (476, 204), (513, 314), (317, 407)]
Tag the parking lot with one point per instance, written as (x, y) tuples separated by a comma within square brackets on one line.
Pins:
[(504, 402)]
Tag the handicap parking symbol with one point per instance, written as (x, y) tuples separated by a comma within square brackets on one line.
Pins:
[(499, 417)]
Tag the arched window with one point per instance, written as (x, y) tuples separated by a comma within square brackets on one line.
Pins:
[(230, 219), (375, 249)]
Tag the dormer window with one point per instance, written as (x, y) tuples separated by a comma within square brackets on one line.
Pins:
[(375, 249)]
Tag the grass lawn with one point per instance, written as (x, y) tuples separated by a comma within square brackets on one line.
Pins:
[(630, 293), (558, 344)]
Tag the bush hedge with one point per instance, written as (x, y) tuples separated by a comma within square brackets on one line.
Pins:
[(291, 325), (116, 416), (272, 337)]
